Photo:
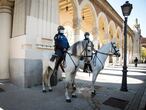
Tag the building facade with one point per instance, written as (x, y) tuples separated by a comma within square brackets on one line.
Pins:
[(27, 29)]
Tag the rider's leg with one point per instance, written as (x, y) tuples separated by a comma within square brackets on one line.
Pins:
[(54, 78), (64, 60), (57, 63), (85, 67), (89, 65)]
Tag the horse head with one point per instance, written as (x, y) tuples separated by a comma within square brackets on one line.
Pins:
[(114, 49)]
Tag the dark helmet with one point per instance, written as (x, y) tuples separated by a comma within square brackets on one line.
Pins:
[(86, 33), (60, 28)]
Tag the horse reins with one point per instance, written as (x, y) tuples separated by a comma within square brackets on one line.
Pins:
[(79, 56), (103, 54), (72, 60)]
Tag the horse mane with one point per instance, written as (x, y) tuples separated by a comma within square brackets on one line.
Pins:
[(74, 48)]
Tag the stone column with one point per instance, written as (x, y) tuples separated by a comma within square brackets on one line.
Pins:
[(5, 34), (95, 37), (77, 27), (120, 49)]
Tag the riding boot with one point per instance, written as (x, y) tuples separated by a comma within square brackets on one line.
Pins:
[(89, 65), (85, 67)]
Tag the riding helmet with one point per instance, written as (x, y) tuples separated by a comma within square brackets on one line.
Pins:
[(86, 33), (60, 28)]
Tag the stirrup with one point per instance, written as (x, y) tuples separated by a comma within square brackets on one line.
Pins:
[(53, 57)]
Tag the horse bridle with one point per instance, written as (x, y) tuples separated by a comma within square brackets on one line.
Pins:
[(114, 47), (79, 55), (115, 53)]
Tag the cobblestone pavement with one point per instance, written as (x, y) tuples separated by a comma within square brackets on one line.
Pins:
[(108, 86)]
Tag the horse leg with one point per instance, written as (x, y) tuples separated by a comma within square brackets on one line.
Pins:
[(68, 99), (73, 85), (43, 86), (50, 71), (68, 82), (74, 91), (43, 80), (93, 91)]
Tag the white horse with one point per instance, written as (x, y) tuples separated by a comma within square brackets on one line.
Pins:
[(72, 61), (98, 60)]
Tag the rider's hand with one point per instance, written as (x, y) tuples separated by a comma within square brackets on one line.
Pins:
[(64, 49)]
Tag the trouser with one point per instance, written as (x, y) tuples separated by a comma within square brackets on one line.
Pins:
[(86, 66), (53, 79), (135, 64)]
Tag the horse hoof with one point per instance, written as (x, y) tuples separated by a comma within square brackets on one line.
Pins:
[(74, 88), (44, 91), (93, 93), (68, 100), (74, 96), (60, 79), (50, 90)]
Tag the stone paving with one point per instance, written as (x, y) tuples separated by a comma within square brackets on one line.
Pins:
[(108, 86)]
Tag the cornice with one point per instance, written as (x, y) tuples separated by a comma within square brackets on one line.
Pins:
[(6, 6), (106, 7), (9, 3)]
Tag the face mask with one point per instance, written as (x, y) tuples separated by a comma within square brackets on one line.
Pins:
[(87, 36), (62, 31)]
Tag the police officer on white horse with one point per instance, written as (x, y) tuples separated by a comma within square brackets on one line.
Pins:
[(89, 48), (61, 47)]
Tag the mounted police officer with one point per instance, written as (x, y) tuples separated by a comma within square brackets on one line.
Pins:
[(89, 48), (61, 47)]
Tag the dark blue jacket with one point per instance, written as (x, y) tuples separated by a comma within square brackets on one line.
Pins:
[(61, 43)]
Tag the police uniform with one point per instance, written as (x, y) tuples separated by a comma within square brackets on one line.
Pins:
[(61, 43), (61, 46), (88, 53)]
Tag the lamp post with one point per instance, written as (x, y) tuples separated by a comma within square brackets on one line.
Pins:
[(126, 10)]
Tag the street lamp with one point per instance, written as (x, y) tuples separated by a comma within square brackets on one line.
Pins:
[(126, 10)]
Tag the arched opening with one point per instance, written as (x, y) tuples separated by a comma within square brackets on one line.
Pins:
[(67, 13), (103, 28), (88, 18), (122, 55), (111, 33), (118, 37), (118, 42), (130, 48), (111, 30)]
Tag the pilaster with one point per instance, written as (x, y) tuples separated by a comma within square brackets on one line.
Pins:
[(6, 9), (95, 36), (77, 27)]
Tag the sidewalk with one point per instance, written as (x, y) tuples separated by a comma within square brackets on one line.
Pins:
[(108, 94)]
